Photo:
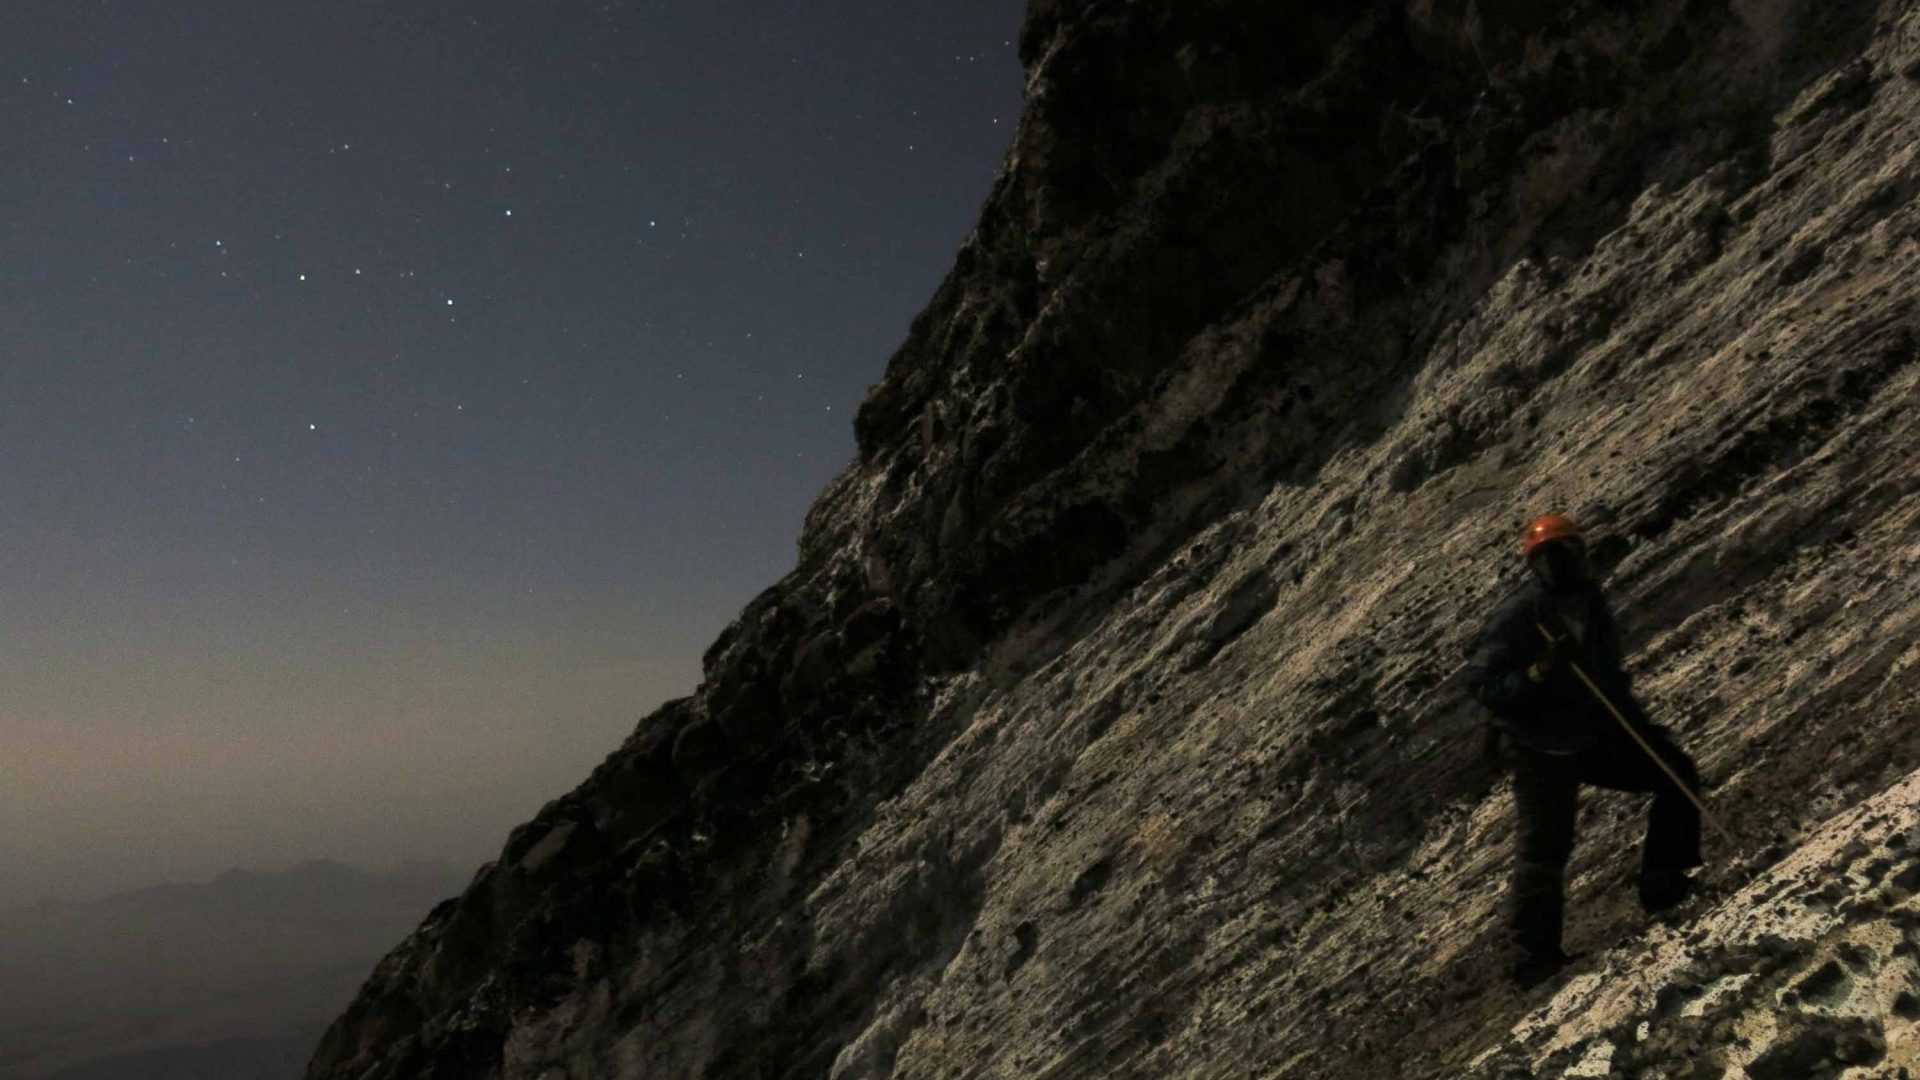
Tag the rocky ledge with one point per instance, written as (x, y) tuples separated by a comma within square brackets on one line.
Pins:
[(1110, 723)]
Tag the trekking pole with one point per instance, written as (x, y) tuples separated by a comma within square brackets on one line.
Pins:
[(1705, 814)]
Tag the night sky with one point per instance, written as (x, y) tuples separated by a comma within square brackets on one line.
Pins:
[(396, 398)]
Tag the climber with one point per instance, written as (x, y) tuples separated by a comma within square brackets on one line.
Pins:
[(1562, 736)]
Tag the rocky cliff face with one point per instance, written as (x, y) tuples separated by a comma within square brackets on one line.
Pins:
[(1110, 722)]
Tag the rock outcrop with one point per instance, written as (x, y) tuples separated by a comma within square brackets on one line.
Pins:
[(1110, 722)]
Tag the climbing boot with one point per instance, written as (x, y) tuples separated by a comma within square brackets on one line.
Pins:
[(1530, 968), (1663, 890)]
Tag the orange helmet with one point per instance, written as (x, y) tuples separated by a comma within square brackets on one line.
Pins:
[(1548, 527)]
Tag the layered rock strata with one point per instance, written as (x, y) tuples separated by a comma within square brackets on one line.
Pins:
[(1110, 722)]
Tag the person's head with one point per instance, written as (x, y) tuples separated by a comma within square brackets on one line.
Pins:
[(1556, 550)]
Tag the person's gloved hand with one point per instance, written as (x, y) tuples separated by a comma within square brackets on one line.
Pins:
[(1552, 655)]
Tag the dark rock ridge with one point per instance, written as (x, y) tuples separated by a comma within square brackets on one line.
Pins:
[(1109, 724)]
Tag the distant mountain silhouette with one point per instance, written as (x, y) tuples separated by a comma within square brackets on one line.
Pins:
[(228, 1059), (231, 978)]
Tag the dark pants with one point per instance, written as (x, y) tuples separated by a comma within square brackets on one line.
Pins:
[(1546, 789)]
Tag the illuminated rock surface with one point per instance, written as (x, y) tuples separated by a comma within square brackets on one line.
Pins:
[(1110, 722)]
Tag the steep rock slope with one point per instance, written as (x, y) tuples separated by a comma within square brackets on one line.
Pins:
[(1109, 722), (1813, 968)]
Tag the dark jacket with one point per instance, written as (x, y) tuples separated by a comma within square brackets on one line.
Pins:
[(1559, 715)]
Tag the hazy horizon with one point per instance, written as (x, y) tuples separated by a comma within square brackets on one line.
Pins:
[(425, 780), (398, 401), (396, 868), (232, 976)]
